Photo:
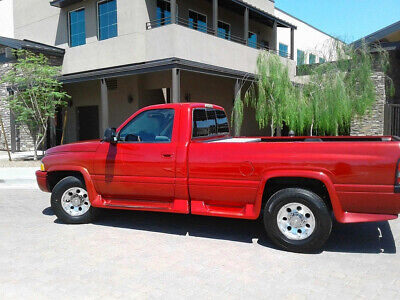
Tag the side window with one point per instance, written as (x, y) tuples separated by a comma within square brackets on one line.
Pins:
[(209, 122), (152, 126), (222, 122)]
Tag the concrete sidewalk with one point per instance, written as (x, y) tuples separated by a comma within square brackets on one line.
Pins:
[(18, 178)]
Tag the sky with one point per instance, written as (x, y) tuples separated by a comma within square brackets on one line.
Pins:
[(348, 20)]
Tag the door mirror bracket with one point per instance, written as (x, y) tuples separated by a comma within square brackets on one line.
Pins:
[(110, 136)]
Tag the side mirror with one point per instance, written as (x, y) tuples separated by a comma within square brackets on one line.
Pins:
[(110, 136)]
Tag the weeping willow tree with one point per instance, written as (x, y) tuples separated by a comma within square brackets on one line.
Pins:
[(334, 94)]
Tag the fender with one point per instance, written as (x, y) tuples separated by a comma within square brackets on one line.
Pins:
[(96, 202), (318, 175)]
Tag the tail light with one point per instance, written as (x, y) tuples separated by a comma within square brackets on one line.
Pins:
[(397, 178)]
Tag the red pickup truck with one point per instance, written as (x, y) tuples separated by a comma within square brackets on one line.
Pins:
[(181, 158)]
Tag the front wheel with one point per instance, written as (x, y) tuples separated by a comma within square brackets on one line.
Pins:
[(70, 202), (297, 220)]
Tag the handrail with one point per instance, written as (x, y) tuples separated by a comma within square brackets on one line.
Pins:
[(205, 29)]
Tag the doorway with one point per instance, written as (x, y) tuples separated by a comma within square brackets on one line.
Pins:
[(88, 122)]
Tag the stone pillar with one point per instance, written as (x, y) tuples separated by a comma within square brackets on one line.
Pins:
[(176, 85), (373, 123), (215, 17), (292, 43), (173, 11), (246, 26), (104, 106)]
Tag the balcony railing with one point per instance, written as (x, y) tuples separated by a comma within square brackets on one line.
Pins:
[(209, 30)]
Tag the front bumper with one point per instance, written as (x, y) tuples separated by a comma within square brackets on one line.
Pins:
[(41, 178)]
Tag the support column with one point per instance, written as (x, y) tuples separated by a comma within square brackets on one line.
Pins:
[(246, 26), (237, 93), (274, 46), (173, 11), (215, 17), (292, 43), (104, 106), (176, 85)]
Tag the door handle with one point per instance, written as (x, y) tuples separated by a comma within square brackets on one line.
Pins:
[(167, 155)]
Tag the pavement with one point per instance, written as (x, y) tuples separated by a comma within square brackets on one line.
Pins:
[(18, 178), (154, 255)]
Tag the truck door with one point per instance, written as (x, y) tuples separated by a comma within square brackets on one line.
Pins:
[(139, 170)]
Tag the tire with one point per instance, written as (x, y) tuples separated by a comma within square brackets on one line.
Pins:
[(75, 207), (297, 220)]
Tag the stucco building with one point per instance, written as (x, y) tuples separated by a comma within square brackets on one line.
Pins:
[(122, 55)]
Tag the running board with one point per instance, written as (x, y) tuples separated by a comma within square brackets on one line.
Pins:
[(136, 207)]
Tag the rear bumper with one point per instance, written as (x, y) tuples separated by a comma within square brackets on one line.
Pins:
[(41, 178)]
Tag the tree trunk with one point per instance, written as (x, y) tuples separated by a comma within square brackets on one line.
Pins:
[(5, 138), (311, 129)]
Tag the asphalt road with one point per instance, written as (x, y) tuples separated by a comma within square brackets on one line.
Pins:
[(156, 255)]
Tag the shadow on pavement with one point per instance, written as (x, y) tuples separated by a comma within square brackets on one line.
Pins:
[(353, 238)]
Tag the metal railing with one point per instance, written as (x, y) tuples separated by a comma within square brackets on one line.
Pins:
[(209, 30), (392, 121)]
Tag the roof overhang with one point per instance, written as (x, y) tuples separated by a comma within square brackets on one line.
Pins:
[(378, 35), (63, 3), (255, 13), (155, 66), (31, 46)]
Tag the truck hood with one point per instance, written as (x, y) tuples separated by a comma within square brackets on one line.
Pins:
[(86, 146)]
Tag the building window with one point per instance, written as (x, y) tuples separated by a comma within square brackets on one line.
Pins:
[(107, 14), (252, 40), (77, 31), (197, 21), (283, 50), (301, 58), (163, 12), (322, 60), (224, 30), (312, 59)]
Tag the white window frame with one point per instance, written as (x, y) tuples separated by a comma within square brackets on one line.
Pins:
[(69, 24), (98, 20)]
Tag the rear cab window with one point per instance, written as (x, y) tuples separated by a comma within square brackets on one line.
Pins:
[(209, 122)]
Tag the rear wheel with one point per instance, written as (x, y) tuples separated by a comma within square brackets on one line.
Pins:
[(70, 202), (297, 220)]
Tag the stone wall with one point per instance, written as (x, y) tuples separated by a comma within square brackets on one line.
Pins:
[(373, 123), (4, 110), (24, 141)]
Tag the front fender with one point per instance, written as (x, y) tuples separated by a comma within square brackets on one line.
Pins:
[(86, 176)]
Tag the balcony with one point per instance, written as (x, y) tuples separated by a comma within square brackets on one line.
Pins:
[(175, 40), (209, 30)]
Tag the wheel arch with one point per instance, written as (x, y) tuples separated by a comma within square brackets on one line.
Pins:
[(300, 179), (57, 173)]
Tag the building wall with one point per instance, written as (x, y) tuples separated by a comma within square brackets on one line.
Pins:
[(306, 38), (38, 21), (6, 18)]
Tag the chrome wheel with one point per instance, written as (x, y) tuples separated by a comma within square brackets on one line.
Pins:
[(75, 201), (296, 221)]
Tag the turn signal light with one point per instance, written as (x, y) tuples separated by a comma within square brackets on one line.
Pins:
[(42, 167)]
